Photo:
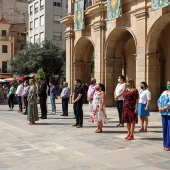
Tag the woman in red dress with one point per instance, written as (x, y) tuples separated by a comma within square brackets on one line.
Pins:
[(130, 105)]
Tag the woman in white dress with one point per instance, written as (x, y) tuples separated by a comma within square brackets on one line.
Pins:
[(98, 115)]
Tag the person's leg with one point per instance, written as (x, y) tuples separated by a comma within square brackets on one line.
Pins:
[(44, 101), (54, 105), (66, 106), (117, 105), (141, 123), (76, 114), (26, 104), (51, 105), (120, 112), (20, 103), (145, 123), (168, 133), (9, 101), (12, 100), (41, 106), (80, 113), (165, 130), (132, 129)]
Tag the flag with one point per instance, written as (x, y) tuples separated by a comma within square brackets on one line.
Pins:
[(114, 9), (79, 15), (156, 4)]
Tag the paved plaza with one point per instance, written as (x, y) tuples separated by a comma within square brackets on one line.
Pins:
[(53, 144)]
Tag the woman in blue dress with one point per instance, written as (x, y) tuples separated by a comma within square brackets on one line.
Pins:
[(164, 109)]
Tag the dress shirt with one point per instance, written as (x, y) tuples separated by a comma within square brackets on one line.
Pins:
[(53, 92), (25, 91), (19, 90), (65, 92), (91, 90)]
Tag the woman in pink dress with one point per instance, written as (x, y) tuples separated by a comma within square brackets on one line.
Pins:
[(98, 115)]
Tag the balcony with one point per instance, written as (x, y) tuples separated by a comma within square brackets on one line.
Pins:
[(5, 38)]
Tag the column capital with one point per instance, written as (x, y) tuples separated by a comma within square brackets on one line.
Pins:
[(153, 55)]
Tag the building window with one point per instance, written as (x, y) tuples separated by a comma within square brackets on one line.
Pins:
[(36, 7), (31, 10), (41, 37), (57, 19), (36, 23), (57, 36), (4, 33), (41, 4), (42, 20), (31, 40), (31, 25), (36, 39), (58, 3), (4, 49), (4, 66)]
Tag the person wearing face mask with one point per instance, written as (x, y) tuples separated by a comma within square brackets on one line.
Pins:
[(118, 95), (91, 91), (24, 96), (143, 106), (78, 103), (130, 116), (99, 114), (164, 109)]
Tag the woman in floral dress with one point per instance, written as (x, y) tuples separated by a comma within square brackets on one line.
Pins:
[(32, 103), (130, 116), (98, 115)]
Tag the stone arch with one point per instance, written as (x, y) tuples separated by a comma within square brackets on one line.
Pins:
[(157, 57), (117, 58), (82, 59)]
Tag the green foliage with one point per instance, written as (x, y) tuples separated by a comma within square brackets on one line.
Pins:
[(47, 56), (40, 73)]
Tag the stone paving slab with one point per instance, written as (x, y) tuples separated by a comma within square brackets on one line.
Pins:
[(53, 144)]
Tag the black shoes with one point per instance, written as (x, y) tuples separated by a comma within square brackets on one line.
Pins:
[(63, 115), (44, 117)]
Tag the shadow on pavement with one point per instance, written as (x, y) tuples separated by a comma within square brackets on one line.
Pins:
[(157, 139)]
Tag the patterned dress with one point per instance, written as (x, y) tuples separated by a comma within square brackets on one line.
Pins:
[(98, 116), (32, 106), (130, 98)]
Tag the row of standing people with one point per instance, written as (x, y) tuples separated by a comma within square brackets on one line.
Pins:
[(130, 103)]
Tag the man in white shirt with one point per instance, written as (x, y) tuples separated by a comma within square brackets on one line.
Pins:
[(19, 95)]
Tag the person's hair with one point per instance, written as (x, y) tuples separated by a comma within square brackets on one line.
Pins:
[(145, 84), (19, 81), (102, 87), (94, 80), (51, 82), (33, 82), (122, 77), (131, 84), (78, 81), (66, 83), (41, 78), (26, 81)]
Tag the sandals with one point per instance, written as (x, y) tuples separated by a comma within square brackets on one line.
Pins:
[(143, 130), (98, 131), (120, 125)]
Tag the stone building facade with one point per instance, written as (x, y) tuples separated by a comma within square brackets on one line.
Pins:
[(135, 45)]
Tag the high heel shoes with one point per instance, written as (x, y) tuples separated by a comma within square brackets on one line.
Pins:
[(131, 137)]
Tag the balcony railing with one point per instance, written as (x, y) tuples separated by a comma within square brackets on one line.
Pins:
[(5, 38)]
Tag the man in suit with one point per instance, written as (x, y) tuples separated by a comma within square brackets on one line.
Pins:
[(43, 98)]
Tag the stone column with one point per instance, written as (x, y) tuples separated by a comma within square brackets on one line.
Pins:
[(113, 68), (141, 33), (153, 77)]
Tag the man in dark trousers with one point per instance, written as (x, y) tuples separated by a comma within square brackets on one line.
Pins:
[(43, 98), (78, 103)]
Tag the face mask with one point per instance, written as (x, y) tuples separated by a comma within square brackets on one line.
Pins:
[(75, 84), (91, 82), (168, 86), (127, 84), (142, 87), (97, 88), (119, 80)]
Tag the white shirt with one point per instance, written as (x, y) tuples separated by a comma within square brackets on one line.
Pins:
[(19, 90), (119, 89), (144, 96)]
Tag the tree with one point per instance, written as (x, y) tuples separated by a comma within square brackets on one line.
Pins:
[(40, 73), (47, 55)]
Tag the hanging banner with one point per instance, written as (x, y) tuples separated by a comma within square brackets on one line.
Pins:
[(114, 9), (156, 4), (79, 15)]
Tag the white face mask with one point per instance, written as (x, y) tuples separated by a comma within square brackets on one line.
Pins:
[(119, 80)]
